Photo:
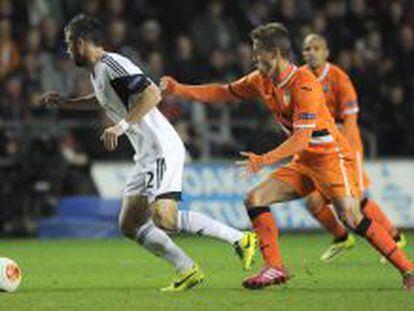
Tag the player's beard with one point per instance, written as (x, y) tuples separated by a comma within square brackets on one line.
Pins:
[(264, 68), (80, 61)]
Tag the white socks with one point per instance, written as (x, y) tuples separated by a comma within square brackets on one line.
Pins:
[(159, 243), (193, 222)]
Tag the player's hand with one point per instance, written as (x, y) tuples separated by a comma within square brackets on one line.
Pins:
[(167, 84), (251, 165), (110, 137), (49, 99)]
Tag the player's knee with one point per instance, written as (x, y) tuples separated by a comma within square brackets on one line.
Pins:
[(253, 199), (313, 206), (349, 219), (315, 203), (348, 212), (165, 217)]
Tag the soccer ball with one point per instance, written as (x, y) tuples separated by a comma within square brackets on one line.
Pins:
[(10, 275)]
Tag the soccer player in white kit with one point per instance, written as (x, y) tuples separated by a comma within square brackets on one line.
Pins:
[(149, 201)]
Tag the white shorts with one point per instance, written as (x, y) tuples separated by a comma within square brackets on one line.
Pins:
[(161, 178)]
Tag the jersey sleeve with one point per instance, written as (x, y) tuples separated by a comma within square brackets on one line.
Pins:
[(346, 95), (126, 79), (245, 87), (307, 96)]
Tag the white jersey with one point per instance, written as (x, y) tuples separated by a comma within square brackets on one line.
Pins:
[(117, 82)]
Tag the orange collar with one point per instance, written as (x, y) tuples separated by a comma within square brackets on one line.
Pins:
[(322, 71), (284, 76)]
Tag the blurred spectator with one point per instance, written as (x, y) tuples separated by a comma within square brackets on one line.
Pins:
[(187, 135), (257, 12), (405, 55), (9, 53), (184, 63), (155, 63), (244, 58), (51, 35), (208, 42), (91, 7), (116, 9), (59, 75), (117, 32), (13, 103), (150, 38), (32, 71), (395, 113), (213, 30), (16, 12)]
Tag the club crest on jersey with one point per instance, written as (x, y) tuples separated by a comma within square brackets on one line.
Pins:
[(325, 88), (287, 98)]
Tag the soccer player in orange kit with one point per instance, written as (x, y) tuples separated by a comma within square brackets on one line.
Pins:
[(342, 102), (322, 159)]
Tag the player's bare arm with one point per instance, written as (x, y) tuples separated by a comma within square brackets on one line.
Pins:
[(53, 98), (145, 101)]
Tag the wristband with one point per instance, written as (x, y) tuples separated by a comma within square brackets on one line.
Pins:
[(124, 125)]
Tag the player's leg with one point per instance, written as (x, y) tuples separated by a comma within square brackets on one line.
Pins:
[(346, 199), (167, 216), (257, 202), (136, 224), (283, 185), (349, 212), (372, 210), (368, 206), (323, 212)]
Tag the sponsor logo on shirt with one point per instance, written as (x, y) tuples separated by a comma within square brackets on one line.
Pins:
[(307, 116)]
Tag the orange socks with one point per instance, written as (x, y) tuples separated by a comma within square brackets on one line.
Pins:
[(371, 210), (327, 218), (265, 227), (383, 242)]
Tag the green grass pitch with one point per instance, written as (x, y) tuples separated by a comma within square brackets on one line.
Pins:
[(118, 275)]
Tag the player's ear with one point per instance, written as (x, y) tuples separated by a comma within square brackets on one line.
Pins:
[(80, 44)]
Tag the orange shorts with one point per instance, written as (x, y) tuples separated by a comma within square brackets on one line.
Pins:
[(333, 174)]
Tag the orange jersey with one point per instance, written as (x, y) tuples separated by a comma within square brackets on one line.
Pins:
[(297, 101), (322, 158), (342, 101), (340, 94)]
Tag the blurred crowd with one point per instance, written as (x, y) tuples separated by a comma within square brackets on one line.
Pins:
[(203, 41)]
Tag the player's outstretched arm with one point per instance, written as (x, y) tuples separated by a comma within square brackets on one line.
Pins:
[(207, 93), (53, 98), (144, 102), (294, 144)]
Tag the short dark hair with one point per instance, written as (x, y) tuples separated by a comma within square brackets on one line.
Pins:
[(85, 27), (273, 36)]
